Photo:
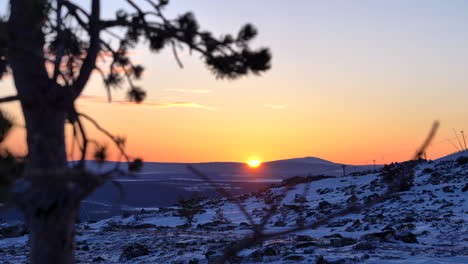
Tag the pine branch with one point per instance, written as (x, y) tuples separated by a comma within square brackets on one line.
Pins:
[(93, 50), (9, 99)]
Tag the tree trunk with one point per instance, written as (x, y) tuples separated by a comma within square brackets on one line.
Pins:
[(49, 194), (50, 204), (52, 225), (45, 137)]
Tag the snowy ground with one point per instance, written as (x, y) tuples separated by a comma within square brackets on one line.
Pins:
[(427, 224)]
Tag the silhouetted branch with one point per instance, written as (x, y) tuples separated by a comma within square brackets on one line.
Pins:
[(176, 56), (224, 192), (9, 99), (85, 142), (60, 48), (93, 49), (108, 134), (258, 231), (427, 142)]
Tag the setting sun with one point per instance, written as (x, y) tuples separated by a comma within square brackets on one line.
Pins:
[(254, 163)]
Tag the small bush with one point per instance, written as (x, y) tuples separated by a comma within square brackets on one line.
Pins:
[(462, 160), (220, 218), (190, 207), (399, 176)]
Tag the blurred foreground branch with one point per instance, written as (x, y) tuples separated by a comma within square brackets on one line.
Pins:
[(404, 177)]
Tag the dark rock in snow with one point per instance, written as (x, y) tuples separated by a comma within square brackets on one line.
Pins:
[(324, 205), (304, 238), (338, 223), (13, 230), (294, 258), (133, 251), (364, 246), (98, 259), (306, 245), (465, 188), (299, 198), (448, 189), (279, 223), (352, 199), (258, 255), (407, 237), (321, 260), (245, 224), (385, 236), (271, 251)]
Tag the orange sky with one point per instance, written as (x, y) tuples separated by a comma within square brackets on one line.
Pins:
[(350, 83)]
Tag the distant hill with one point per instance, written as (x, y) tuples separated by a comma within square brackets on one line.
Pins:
[(279, 169)]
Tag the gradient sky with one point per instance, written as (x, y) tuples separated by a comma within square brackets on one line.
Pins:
[(352, 81)]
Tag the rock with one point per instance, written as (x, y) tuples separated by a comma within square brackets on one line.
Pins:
[(342, 242), (364, 246), (299, 198), (258, 255), (294, 258), (306, 245), (212, 256), (98, 259), (324, 191), (371, 197), (448, 189), (213, 259), (388, 235), (110, 226), (133, 251), (339, 223), (407, 237), (462, 160), (279, 223), (385, 236), (465, 188), (320, 260), (193, 261), (324, 205), (352, 199), (304, 238), (142, 226), (356, 224), (271, 251), (16, 229)]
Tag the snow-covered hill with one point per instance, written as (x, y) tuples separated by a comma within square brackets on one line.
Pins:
[(427, 224)]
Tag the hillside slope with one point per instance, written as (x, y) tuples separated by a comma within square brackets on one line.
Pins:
[(427, 224)]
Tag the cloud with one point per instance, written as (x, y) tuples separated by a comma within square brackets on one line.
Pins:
[(152, 104), (275, 106), (189, 91)]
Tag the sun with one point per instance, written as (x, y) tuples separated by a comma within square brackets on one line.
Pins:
[(254, 163)]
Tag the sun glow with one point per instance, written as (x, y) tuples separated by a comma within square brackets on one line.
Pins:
[(254, 163)]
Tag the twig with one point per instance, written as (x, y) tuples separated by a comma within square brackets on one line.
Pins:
[(107, 133), (260, 235), (176, 56), (9, 99), (224, 192)]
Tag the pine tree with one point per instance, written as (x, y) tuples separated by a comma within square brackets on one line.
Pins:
[(43, 47)]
